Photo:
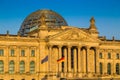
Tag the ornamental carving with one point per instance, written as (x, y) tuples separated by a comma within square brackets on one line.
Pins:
[(73, 35)]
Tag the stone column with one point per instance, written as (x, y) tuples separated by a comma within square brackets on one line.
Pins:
[(83, 60), (6, 61), (113, 62), (69, 59), (59, 57), (37, 50), (105, 62), (27, 52), (97, 61), (49, 59), (79, 59), (75, 59), (87, 61), (65, 62), (17, 54)]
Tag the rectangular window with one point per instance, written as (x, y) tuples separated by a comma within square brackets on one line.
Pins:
[(117, 56), (109, 55), (1, 52), (22, 52), (32, 53), (100, 55), (12, 52)]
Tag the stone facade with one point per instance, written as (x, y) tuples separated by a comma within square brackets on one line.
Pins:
[(34, 56)]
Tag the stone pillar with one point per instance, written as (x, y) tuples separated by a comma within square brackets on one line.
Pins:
[(87, 64), (49, 59), (97, 61), (60, 56), (105, 62), (27, 52), (75, 59), (113, 65), (38, 59), (69, 59), (83, 60), (18, 59), (6, 61), (65, 62), (79, 59)]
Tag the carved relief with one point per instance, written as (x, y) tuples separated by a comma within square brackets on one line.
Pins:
[(75, 36)]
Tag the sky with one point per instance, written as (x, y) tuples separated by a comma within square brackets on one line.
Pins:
[(76, 12)]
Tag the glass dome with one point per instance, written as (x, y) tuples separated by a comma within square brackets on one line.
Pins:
[(52, 20)]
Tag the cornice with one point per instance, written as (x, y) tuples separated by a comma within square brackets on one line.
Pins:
[(18, 39), (110, 43)]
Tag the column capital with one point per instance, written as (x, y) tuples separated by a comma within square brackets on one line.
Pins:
[(49, 45)]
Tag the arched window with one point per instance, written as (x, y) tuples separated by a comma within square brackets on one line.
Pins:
[(22, 67), (101, 68), (100, 55), (32, 67), (1, 66), (117, 68), (109, 68), (11, 66)]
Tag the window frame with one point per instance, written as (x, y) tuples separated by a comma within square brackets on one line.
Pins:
[(100, 55), (101, 67), (11, 67), (109, 68), (117, 56), (1, 52), (22, 67), (32, 53), (109, 55), (1, 66), (12, 52), (32, 67), (22, 53)]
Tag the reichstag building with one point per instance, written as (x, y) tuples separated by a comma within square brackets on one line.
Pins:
[(47, 48)]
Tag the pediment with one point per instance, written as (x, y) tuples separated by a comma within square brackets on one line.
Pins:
[(73, 34)]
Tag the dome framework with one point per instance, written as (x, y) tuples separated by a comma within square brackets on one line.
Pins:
[(52, 20)]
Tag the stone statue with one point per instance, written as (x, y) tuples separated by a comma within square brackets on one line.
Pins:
[(42, 19)]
